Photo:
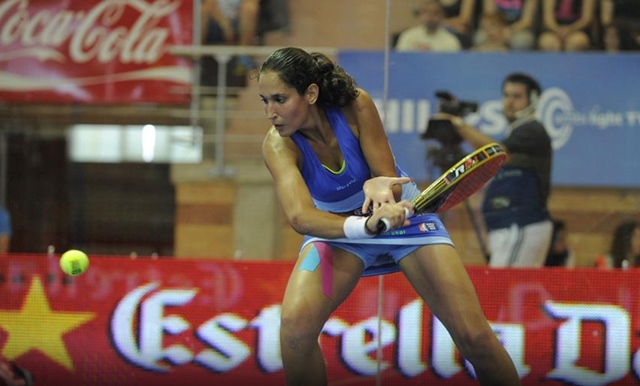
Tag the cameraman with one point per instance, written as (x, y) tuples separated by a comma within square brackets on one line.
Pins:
[(515, 202)]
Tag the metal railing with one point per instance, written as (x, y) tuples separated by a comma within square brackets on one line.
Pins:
[(222, 54)]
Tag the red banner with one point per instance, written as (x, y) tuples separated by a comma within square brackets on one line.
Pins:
[(94, 51), (208, 322)]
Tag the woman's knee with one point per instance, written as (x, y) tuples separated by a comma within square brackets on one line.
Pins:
[(549, 41), (476, 343), (577, 41), (298, 329)]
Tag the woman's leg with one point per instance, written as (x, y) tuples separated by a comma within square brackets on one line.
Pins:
[(577, 41), (549, 42), (308, 302), (440, 278)]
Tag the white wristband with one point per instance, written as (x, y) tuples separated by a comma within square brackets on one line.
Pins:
[(355, 227)]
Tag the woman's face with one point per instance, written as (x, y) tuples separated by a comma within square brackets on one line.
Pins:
[(285, 108), (560, 244)]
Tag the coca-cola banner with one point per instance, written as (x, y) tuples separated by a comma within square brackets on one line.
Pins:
[(215, 322), (94, 51)]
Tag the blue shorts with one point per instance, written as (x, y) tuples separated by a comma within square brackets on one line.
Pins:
[(381, 254)]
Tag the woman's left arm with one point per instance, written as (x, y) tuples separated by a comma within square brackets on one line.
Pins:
[(385, 185)]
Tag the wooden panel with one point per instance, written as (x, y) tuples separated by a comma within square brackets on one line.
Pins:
[(255, 216), (214, 214), (590, 214), (208, 192), (291, 241), (204, 219), (208, 241), (359, 24), (594, 200)]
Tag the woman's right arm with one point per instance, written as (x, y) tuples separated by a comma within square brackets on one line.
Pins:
[(282, 157)]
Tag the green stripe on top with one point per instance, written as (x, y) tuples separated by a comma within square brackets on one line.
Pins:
[(344, 165)]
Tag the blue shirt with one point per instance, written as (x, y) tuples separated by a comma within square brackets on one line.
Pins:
[(5, 222), (519, 193), (335, 191), (342, 191)]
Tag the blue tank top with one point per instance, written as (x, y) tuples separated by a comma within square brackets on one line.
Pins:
[(337, 192)]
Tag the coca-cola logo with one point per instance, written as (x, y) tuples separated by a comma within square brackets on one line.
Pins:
[(98, 33), (78, 50)]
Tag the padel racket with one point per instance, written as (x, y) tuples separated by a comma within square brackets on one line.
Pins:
[(455, 185)]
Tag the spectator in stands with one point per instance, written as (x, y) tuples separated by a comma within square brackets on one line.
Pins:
[(567, 25), (560, 254), (624, 251), (229, 22), (620, 20), (430, 34), (5, 230), (13, 375), (497, 33), (273, 17), (520, 15), (459, 18)]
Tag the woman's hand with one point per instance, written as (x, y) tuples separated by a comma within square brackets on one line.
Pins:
[(378, 191), (395, 215)]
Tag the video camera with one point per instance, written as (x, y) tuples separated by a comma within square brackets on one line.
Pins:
[(443, 131)]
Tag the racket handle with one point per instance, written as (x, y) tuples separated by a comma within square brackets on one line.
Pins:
[(384, 224)]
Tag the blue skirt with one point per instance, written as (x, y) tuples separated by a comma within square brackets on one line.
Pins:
[(381, 254)]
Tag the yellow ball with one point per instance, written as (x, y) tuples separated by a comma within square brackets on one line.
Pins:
[(74, 262)]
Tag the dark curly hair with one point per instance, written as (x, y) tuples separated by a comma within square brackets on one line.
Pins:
[(299, 69), (621, 243)]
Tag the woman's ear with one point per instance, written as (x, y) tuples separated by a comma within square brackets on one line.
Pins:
[(313, 91)]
